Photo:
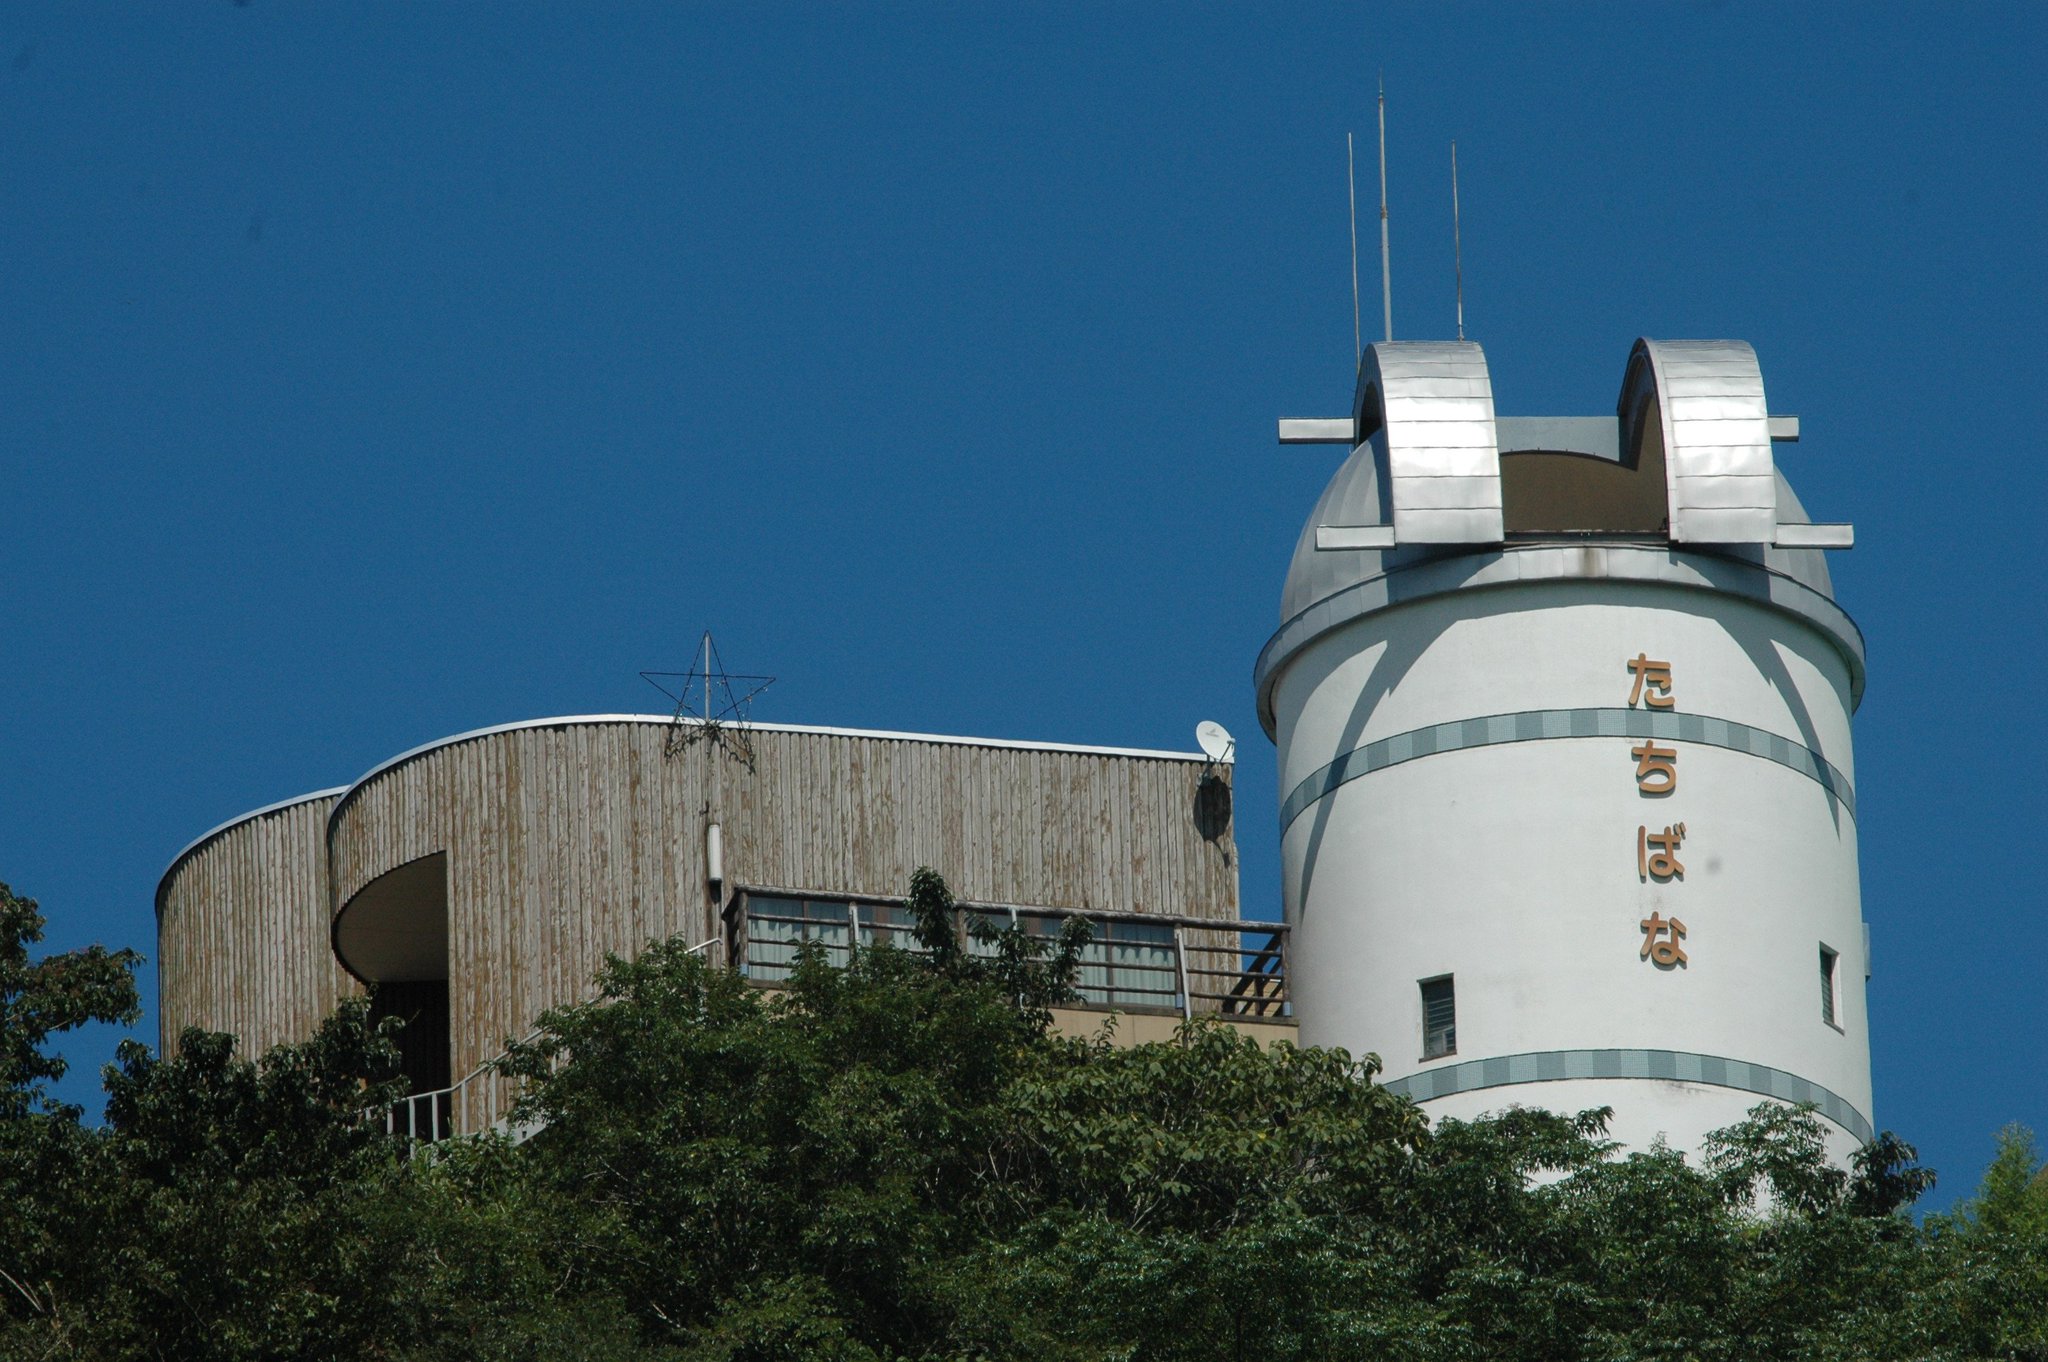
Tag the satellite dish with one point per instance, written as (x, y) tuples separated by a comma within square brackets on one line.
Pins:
[(1215, 739)]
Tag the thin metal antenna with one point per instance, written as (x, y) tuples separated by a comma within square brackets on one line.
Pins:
[(1351, 173), (1457, 246), (1386, 261)]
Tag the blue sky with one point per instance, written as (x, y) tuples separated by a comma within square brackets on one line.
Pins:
[(372, 373)]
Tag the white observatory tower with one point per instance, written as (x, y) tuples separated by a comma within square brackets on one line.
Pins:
[(1568, 811)]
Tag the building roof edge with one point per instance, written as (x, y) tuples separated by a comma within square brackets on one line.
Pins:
[(348, 792), (164, 881)]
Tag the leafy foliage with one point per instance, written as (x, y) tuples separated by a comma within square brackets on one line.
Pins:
[(903, 1159), (40, 999)]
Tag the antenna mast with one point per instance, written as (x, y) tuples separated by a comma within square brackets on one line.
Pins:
[(1351, 174), (1386, 266), (1457, 247)]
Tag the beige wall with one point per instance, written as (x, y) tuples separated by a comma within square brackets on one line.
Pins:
[(1150, 1028), (566, 840), (242, 923)]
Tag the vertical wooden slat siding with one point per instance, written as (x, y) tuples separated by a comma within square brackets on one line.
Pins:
[(568, 841), (242, 937)]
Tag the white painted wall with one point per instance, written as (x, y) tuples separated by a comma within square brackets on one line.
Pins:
[(1645, 1110), (1513, 866)]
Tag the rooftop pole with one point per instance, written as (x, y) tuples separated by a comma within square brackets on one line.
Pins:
[(1386, 260), (1457, 247), (1351, 173)]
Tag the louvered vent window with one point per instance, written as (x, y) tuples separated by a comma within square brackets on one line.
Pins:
[(1828, 960), (1439, 1018)]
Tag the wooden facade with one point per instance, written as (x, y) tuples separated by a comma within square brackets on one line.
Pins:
[(242, 930), (561, 840)]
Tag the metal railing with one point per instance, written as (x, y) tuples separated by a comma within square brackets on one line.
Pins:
[(422, 1115), (1135, 962), (443, 1112), (1152, 962)]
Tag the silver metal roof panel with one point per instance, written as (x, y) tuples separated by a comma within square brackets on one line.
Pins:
[(1425, 409), (1719, 471)]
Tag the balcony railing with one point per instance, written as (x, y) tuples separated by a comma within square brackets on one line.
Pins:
[(480, 1099), (1140, 962), (423, 1115), (1134, 962)]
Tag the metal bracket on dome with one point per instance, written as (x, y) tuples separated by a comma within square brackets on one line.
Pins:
[(1343, 430), (1337, 430), (1425, 409), (1796, 536), (1785, 430), (1331, 537), (1320, 430), (1715, 433)]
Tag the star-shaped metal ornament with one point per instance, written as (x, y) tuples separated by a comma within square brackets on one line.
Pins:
[(708, 705)]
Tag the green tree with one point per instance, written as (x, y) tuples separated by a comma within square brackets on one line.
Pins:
[(798, 1175), (235, 1209), (41, 1147), (1991, 1257), (221, 1210), (902, 1158), (1197, 1198), (40, 998)]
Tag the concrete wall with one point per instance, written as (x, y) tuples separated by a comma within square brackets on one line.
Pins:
[(1504, 852)]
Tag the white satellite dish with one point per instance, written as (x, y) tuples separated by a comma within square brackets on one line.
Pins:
[(1215, 739)]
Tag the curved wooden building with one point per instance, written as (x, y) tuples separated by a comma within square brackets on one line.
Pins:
[(242, 928), (481, 879)]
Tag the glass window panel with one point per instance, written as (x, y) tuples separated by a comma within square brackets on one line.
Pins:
[(1001, 920), (1125, 963), (1144, 967), (890, 924), (994, 921), (777, 926), (1439, 1018)]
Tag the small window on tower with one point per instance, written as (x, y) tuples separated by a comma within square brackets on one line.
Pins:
[(1828, 962), (1439, 1018)]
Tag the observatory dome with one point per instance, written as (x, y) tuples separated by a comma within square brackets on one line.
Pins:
[(1353, 497), (1678, 488)]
